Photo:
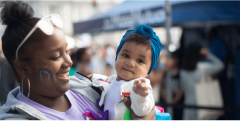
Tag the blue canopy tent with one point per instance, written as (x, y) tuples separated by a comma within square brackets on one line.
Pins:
[(129, 14)]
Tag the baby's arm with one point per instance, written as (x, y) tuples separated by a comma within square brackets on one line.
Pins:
[(142, 97)]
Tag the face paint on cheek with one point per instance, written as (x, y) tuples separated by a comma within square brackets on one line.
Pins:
[(45, 71)]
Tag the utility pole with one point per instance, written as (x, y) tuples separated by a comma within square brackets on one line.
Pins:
[(168, 25)]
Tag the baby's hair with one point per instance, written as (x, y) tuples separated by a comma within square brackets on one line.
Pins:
[(138, 38), (18, 17)]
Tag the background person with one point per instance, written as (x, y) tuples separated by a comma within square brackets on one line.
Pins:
[(73, 68), (190, 74), (84, 58), (177, 91), (110, 56)]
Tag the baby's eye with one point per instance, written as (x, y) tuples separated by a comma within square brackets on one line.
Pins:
[(140, 61), (125, 55), (67, 51)]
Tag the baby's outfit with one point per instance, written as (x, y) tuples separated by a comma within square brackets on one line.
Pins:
[(114, 91)]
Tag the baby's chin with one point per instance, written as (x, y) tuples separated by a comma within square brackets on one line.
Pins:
[(126, 78)]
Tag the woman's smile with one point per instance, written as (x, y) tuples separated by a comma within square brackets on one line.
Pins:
[(63, 76)]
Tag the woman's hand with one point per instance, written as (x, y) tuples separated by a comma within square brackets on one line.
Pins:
[(90, 76), (204, 51), (149, 116)]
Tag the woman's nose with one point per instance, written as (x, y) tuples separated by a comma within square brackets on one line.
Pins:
[(67, 61)]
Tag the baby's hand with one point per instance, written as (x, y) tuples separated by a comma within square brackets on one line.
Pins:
[(140, 88)]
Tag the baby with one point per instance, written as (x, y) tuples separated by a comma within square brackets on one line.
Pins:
[(136, 57)]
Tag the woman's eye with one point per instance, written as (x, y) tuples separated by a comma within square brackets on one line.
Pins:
[(140, 61), (125, 55), (56, 57)]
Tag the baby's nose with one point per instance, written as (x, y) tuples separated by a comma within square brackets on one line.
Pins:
[(130, 63)]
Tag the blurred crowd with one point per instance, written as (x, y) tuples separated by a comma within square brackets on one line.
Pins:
[(93, 59)]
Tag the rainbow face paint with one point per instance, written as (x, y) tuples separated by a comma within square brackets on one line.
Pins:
[(45, 71)]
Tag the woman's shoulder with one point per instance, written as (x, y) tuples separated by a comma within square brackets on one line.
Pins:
[(82, 85), (14, 109), (203, 65), (15, 118)]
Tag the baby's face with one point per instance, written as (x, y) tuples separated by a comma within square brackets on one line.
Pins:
[(133, 61)]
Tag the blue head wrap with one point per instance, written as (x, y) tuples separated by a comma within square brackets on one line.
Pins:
[(155, 42)]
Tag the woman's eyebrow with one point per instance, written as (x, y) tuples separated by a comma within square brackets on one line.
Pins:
[(57, 49)]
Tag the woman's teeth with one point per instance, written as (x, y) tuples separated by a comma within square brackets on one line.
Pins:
[(63, 75)]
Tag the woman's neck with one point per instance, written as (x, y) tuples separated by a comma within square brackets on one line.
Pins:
[(61, 104)]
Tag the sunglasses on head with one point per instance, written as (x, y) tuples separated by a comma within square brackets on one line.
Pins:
[(46, 25)]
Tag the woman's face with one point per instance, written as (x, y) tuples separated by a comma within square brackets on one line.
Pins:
[(48, 71)]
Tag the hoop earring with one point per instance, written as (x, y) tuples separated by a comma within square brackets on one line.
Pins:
[(28, 85)]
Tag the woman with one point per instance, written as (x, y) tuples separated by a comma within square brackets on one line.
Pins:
[(84, 58), (37, 51), (191, 74), (177, 91)]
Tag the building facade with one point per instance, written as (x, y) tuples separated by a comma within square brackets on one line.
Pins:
[(70, 10)]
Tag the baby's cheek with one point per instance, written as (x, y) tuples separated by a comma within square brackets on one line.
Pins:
[(144, 72)]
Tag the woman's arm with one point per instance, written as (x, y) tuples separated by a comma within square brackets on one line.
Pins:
[(216, 64), (178, 96)]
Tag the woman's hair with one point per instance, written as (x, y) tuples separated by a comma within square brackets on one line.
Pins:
[(74, 56), (18, 17), (74, 59), (192, 56), (175, 56), (80, 52)]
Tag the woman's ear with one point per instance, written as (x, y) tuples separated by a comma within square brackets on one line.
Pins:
[(20, 66)]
